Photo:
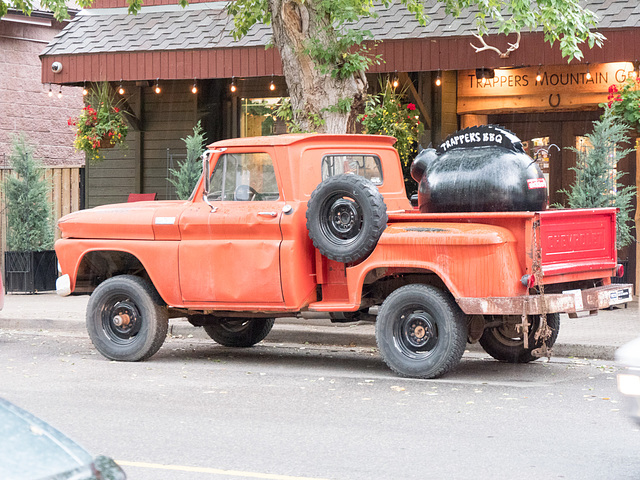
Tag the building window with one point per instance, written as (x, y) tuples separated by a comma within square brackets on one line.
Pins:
[(258, 117), (244, 177), (367, 166)]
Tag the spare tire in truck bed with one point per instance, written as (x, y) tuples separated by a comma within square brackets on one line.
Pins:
[(346, 215)]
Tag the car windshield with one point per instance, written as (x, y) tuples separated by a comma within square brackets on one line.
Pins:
[(29, 448)]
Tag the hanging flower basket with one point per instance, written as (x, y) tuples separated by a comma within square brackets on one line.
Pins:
[(624, 101), (105, 142), (100, 125)]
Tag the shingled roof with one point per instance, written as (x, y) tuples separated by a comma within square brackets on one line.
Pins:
[(208, 26)]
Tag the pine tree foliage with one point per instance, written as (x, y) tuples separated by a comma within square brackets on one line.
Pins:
[(597, 177), (29, 220), (185, 177)]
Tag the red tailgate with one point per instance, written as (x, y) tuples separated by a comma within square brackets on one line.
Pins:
[(579, 243)]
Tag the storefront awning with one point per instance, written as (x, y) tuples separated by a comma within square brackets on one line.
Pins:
[(168, 42)]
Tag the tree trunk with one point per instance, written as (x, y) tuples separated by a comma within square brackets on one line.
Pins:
[(314, 95)]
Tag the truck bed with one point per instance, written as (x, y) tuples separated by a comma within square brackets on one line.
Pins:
[(569, 245)]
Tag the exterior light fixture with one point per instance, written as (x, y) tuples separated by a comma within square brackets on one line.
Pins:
[(395, 82), (233, 86), (438, 80), (272, 86), (485, 75), (50, 91), (85, 92), (121, 88), (539, 75), (588, 75), (157, 88), (194, 89), (60, 92)]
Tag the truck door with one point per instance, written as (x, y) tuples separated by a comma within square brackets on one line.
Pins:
[(238, 260)]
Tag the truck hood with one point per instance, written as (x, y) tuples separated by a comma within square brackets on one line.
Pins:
[(125, 221)]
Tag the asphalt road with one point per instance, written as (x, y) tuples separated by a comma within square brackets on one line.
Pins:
[(283, 411)]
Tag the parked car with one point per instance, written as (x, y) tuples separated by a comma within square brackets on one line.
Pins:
[(629, 379), (31, 449)]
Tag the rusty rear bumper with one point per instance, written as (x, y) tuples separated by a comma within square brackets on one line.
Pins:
[(571, 302)]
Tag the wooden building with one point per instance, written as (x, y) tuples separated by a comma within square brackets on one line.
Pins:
[(177, 49)]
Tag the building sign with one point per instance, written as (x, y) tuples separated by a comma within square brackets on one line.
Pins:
[(540, 89)]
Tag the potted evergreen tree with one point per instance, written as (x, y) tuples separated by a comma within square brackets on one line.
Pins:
[(30, 262), (185, 177), (597, 181)]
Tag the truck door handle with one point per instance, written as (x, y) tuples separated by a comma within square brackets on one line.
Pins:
[(268, 214)]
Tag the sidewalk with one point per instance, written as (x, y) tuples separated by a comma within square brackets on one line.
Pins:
[(590, 337)]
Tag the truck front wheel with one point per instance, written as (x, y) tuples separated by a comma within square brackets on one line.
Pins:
[(421, 332), (506, 344), (239, 332), (126, 319)]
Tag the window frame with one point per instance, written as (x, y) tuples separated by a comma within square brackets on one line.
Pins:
[(375, 156), (224, 158)]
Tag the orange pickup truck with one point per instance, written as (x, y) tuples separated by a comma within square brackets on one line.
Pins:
[(278, 226)]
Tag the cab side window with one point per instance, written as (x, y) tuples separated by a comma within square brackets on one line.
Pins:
[(244, 177)]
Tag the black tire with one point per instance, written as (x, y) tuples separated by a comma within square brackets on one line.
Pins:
[(126, 319), (421, 332), (239, 332), (346, 215), (506, 344)]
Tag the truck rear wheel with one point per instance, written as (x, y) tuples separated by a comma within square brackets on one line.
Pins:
[(346, 215), (421, 332), (506, 344), (239, 332), (126, 319)]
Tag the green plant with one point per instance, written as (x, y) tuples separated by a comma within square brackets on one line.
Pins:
[(597, 177), (100, 123), (188, 172), (624, 101), (386, 114), (29, 223)]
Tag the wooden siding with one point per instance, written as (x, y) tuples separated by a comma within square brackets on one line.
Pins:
[(167, 118), (112, 179), (213, 63), (64, 195)]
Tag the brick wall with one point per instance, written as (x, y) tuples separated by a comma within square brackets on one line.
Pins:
[(24, 103)]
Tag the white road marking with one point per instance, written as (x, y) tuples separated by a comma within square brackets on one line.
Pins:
[(214, 471)]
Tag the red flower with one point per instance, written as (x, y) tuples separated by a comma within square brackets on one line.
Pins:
[(411, 106), (613, 89), (116, 109)]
